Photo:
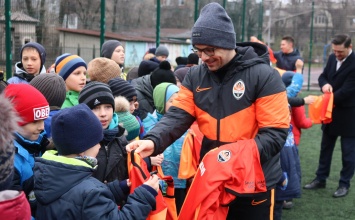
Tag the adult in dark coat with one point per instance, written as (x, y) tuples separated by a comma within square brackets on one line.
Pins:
[(338, 77), (288, 55)]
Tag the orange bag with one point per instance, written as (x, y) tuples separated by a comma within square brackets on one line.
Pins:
[(320, 112), (138, 174)]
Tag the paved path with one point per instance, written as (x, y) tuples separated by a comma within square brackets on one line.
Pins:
[(314, 74)]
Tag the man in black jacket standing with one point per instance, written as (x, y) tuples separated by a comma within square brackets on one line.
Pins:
[(338, 77)]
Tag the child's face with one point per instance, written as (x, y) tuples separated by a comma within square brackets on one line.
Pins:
[(76, 80), (104, 113), (169, 103), (31, 60), (32, 130), (133, 105), (92, 152), (118, 55)]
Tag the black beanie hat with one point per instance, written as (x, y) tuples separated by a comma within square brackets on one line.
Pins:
[(52, 86), (181, 73), (193, 59), (162, 74), (108, 47), (146, 67), (287, 78), (214, 28), (75, 130), (121, 87), (96, 93), (39, 48), (181, 60)]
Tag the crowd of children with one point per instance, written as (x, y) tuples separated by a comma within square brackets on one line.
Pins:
[(69, 158)]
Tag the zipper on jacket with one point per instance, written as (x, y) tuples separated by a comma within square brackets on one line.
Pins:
[(219, 112)]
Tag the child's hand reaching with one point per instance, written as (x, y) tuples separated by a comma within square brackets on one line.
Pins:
[(157, 160), (153, 182)]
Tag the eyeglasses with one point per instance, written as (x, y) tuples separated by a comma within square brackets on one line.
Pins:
[(209, 51)]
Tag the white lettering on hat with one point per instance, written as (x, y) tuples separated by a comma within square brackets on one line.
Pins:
[(196, 34), (96, 102), (41, 113)]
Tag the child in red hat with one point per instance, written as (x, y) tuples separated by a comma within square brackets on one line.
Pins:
[(30, 140)]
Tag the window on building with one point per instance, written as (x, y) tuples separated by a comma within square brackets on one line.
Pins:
[(320, 19), (181, 2)]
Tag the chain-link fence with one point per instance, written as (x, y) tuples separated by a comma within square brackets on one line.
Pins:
[(74, 26)]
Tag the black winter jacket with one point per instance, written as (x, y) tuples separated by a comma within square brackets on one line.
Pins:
[(249, 102)]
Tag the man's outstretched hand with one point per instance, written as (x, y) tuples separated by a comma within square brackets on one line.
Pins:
[(144, 147)]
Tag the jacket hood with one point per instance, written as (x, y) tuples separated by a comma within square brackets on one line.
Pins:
[(19, 69), (55, 175), (295, 52), (251, 54), (143, 85)]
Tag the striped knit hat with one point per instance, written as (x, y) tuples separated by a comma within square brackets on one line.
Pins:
[(96, 93), (121, 87), (66, 63), (52, 87)]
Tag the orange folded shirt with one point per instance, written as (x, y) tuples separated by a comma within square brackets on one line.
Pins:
[(321, 110)]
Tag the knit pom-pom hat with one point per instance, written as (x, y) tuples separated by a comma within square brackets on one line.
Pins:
[(162, 74), (128, 121)]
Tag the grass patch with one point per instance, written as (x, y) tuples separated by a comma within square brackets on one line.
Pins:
[(319, 204)]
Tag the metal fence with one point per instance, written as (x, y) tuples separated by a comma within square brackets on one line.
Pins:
[(311, 23)]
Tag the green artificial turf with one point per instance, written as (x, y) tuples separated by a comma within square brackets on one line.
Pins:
[(319, 204)]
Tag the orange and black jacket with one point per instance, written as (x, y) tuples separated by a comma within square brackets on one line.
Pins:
[(243, 100)]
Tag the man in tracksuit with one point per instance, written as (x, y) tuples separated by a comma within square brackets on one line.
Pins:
[(235, 96)]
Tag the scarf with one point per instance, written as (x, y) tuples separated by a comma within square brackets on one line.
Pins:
[(92, 161)]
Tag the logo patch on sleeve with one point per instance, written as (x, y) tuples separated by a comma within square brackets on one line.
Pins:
[(40, 113), (224, 156)]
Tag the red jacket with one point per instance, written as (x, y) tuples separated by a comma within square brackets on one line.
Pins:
[(224, 173), (298, 121), (17, 207)]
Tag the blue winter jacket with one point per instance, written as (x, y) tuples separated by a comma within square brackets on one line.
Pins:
[(171, 162), (65, 189), (24, 161)]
